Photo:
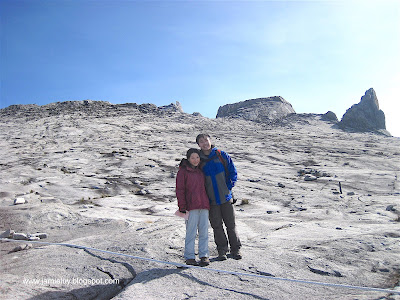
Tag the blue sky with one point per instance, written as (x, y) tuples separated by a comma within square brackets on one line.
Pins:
[(318, 55)]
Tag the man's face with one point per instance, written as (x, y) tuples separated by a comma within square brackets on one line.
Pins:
[(205, 143)]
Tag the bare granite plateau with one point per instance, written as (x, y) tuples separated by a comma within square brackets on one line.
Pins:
[(316, 202)]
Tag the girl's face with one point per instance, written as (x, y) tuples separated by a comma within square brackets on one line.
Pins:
[(194, 159)]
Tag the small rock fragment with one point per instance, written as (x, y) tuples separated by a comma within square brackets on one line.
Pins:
[(310, 178), (390, 208), (244, 202), (141, 192), (40, 235), (19, 236), (65, 170), (19, 201), (7, 234), (254, 180)]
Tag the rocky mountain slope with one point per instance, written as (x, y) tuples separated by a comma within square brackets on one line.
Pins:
[(315, 203)]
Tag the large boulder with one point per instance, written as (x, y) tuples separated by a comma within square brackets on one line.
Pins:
[(330, 116), (365, 116), (173, 107), (259, 110)]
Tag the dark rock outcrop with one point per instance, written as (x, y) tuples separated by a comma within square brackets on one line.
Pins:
[(330, 117), (365, 116), (173, 107), (259, 110)]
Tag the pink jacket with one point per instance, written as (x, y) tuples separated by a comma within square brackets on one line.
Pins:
[(190, 188)]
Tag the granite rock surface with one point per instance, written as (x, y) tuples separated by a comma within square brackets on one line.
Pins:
[(103, 176)]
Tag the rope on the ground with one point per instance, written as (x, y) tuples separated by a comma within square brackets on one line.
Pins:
[(211, 269)]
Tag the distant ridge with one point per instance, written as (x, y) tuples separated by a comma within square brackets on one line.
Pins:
[(362, 117), (89, 107)]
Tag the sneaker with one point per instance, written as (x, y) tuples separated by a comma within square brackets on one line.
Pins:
[(204, 261), (191, 262), (236, 255), (222, 255)]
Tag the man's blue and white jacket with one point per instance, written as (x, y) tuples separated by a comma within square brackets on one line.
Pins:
[(218, 184)]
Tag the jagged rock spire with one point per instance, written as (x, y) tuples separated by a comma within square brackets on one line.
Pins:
[(366, 115)]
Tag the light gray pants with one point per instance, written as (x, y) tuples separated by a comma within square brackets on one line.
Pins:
[(198, 221)]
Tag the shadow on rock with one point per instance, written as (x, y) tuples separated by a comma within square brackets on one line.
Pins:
[(153, 274), (98, 292)]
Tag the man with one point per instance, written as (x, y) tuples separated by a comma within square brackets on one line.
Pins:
[(221, 175)]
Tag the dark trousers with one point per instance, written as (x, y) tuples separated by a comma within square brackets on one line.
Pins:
[(224, 214)]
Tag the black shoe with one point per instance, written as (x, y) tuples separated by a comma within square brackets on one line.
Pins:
[(222, 255), (236, 255), (204, 261), (191, 262)]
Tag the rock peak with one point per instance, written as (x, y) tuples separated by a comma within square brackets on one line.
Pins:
[(370, 98), (259, 109), (174, 107), (366, 115)]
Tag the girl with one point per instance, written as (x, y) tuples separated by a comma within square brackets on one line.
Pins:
[(192, 197)]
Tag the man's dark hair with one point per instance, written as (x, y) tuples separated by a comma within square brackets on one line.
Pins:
[(202, 135)]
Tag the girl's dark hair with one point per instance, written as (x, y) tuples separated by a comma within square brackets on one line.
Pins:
[(191, 151)]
